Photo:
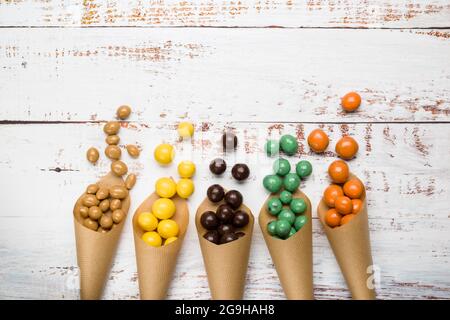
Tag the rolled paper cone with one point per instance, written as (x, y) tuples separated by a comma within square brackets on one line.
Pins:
[(156, 264), (292, 257), (351, 247), (226, 264), (95, 250)]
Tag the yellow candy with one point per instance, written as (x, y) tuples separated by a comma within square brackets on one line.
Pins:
[(165, 187), (185, 129), (185, 187), (170, 240), (164, 153), (186, 169), (152, 238), (168, 228), (163, 208), (147, 221)]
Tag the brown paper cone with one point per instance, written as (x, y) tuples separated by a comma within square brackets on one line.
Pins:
[(225, 264), (95, 250), (292, 257), (156, 264), (351, 247)]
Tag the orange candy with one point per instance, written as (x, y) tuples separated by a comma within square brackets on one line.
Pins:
[(351, 101), (318, 140), (332, 218), (331, 193), (345, 219), (343, 205), (353, 188), (357, 206), (338, 171), (346, 147)]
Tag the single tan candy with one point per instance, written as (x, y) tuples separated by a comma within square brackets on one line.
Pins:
[(133, 150), (106, 222), (90, 200), (92, 188), (130, 181), (91, 224), (118, 192), (115, 204), (119, 168), (112, 139), (111, 127), (101, 230), (104, 205), (102, 193), (95, 213), (113, 152), (118, 215), (92, 155), (123, 112), (83, 211)]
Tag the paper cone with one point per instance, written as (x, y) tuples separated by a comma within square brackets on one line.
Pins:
[(225, 264), (292, 257), (351, 247), (156, 264), (95, 250)]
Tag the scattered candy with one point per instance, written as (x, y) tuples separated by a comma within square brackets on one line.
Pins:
[(185, 188), (338, 171), (133, 150), (272, 148), (272, 183), (113, 152), (281, 167), (291, 182), (318, 140), (346, 148), (218, 166), (240, 171), (111, 127), (215, 193), (92, 155), (185, 129), (288, 144), (229, 141), (123, 112), (119, 168), (186, 169), (303, 169), (164, 153), (351, 101), (165, 187)]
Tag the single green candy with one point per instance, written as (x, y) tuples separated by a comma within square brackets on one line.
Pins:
[(282, 228), (287, 215), (289, 144), (274, 206), (271, 228), (285, 197), (281, 167), (291, 182), (299, 222), (298, 206), (303, 168), (292, 232), (272, 183), (272, 148)]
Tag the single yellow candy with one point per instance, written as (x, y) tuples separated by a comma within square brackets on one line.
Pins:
[(186, 129), (165, 187), (164, 153), (170, 240), (147, 221), (163, 208), (185, 187), (168, 228), (186, 169), (152, 238)]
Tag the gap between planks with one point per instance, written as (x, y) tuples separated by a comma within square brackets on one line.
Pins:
[(222, 27)]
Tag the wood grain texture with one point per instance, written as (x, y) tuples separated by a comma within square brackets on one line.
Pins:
[(228, 74), (406, 169), (226, 13)]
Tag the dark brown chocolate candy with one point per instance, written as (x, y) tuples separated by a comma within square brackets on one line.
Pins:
[(240, 219), (228, 237), (225, 213), (240, 171), (209, 220), (218, 166), (212, 236), (215, 193), (240, 234), (233, 198), (229, 141), (225, 228)]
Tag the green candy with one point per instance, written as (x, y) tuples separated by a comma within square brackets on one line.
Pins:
[(289, 144), (298, 206), (303, 168), (272, 147), (281, 167), (272, 183), (271, 228), (285, 197), (287, 215), (299, 222), (274, 206), (291, 182), (282, 228), (292, 232)]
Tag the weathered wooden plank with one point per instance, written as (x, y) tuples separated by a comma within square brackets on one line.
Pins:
[(223, 74), (243, 13), (406, 169)]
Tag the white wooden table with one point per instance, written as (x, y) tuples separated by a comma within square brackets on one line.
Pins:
[(262, 67)]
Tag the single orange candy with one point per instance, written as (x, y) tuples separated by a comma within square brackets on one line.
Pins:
[(338, 171), (331, 193), (346, 147), (343, 205), (333, 218), (351, 101), (345, 219), (353, 188), (318, 140), (357, 206)]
